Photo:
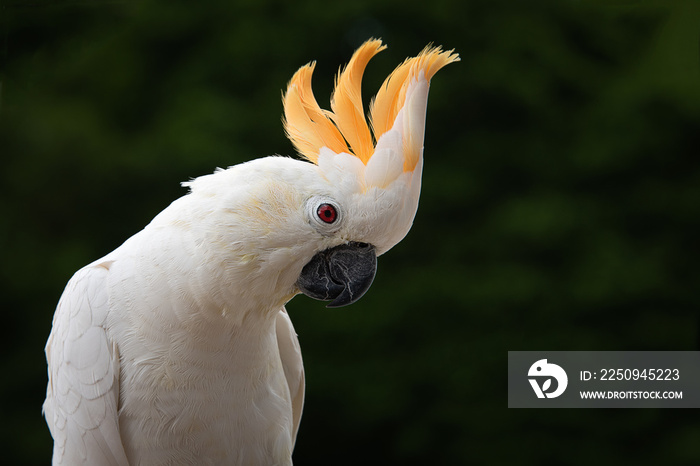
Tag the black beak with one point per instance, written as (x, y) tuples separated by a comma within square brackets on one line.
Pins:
[(342, 274)]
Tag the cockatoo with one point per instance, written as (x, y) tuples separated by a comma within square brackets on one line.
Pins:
[(176, 348)]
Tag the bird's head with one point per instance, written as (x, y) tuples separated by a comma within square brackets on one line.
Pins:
[(370, 174), (318, 225)]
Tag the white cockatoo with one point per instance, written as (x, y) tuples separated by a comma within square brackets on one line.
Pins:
[(176, 348)]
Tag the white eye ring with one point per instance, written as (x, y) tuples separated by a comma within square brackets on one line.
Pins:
[(325, 214)]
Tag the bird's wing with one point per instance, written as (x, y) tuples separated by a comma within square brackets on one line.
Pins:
[(290, 353), (83, 391)]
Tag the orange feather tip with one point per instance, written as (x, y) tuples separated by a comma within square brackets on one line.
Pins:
[(345, 128)]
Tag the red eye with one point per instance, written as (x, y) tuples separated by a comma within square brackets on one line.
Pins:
[(327, 213)]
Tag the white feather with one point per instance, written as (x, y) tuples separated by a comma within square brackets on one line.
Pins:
[(386, 163), (82, 395)]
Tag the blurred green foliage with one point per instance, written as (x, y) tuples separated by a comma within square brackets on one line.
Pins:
[(559, 211)]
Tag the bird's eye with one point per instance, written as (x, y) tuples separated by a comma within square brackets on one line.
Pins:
[(327, 213)]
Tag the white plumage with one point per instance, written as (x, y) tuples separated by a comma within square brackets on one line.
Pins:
[(176, 348)]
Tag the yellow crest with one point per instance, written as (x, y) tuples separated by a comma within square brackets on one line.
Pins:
[(345, 128)]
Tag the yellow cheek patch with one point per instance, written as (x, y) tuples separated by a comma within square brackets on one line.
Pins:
[(265, 204)]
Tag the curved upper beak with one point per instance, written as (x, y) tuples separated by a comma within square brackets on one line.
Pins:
[(342, 274)]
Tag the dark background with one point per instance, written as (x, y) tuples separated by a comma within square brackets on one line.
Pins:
[(560, 206)]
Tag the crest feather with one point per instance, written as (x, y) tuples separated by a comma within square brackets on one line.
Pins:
[(392, 95), (345, 128), (305, 123), (346, 102)]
